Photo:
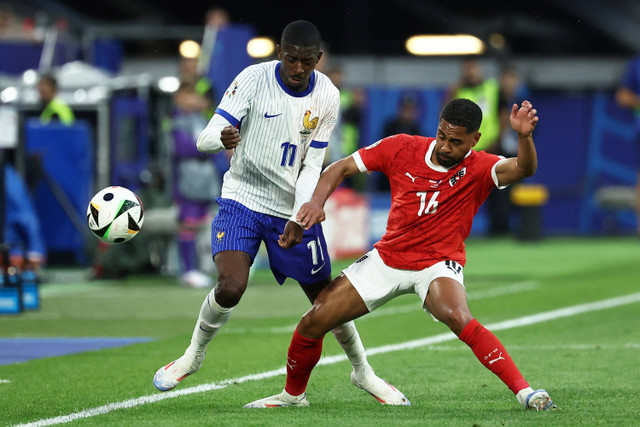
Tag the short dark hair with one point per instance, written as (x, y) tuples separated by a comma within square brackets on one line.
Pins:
[(462, 112), (301, 33), (50, 80)]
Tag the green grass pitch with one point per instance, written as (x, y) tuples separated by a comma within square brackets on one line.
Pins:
[(589, 362)]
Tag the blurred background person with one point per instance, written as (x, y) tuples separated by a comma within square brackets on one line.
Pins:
[(197, 70), (499, 205), (197, 180), (22, 232), (486, 93), (512, 91), (406, 118), (405, 121), (189, 73), (52, 106), (628, 96), (345, 138)]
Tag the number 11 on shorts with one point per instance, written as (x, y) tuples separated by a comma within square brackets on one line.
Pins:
[(316, 249)]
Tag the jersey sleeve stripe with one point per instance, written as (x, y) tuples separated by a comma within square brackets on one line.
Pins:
[(234, 122), (359, 162), (318, 144), (494, 175)]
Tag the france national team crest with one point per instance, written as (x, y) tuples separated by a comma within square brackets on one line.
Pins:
[(308, 124), (220, 235)]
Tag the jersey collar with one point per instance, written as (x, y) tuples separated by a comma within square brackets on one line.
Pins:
[(307, 91)]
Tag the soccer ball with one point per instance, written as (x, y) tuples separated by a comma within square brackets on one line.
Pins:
[(115, 214)]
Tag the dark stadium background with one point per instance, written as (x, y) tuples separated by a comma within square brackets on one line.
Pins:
[(548, 27)]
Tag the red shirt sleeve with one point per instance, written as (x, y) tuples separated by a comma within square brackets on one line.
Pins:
[(379, 155), (486, 162)]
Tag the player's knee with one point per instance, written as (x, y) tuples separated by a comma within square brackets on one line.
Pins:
[(456, 318), (312, 326), (229, 291)]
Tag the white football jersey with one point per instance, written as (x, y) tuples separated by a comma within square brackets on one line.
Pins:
[(278, 127)]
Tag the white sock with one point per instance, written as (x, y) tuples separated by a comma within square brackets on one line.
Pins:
[(211, 318), (349, 339)]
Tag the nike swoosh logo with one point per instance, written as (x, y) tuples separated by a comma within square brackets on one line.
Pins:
[(315, 270), (269, 116)]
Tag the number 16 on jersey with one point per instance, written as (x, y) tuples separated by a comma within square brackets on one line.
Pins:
[(429, 208)]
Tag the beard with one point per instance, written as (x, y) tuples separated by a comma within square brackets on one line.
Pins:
[(447, 162)]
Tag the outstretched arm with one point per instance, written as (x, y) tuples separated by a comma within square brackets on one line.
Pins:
[(312, 212), (523, 122)]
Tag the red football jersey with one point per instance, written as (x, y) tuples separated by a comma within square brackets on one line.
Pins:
[(432, 207)]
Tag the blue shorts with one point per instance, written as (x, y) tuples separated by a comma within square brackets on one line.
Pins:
[(238, 228)]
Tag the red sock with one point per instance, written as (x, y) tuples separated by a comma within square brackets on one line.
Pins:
[(492, 354), (303, 355)]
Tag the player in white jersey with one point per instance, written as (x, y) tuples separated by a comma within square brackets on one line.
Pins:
[(277, 117)]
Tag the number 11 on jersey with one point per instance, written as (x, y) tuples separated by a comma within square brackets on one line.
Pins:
[(288, 153)]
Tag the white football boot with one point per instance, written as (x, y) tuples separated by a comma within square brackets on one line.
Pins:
[(281, 400), (535, 399), (384, 392), (170, 375)]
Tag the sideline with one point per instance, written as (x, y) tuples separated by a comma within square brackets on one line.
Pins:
[(449, 336)]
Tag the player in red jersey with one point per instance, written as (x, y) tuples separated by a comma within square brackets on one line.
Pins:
[(437, 185)]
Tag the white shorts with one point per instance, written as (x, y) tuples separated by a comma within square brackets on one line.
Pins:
[(377, 283)]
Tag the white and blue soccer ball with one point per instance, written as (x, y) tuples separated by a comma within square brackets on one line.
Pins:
[(115, 214)]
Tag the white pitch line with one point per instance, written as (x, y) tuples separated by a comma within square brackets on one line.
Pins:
[(508, 324), (572, 347), (4, 381), (499, 291)]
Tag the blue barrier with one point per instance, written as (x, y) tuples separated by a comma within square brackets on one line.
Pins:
[(18, 56), (65, 188), (107, 54), (608, 161), (129, 140)]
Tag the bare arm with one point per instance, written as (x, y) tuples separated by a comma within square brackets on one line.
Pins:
[(312, 212), (523, 122)]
